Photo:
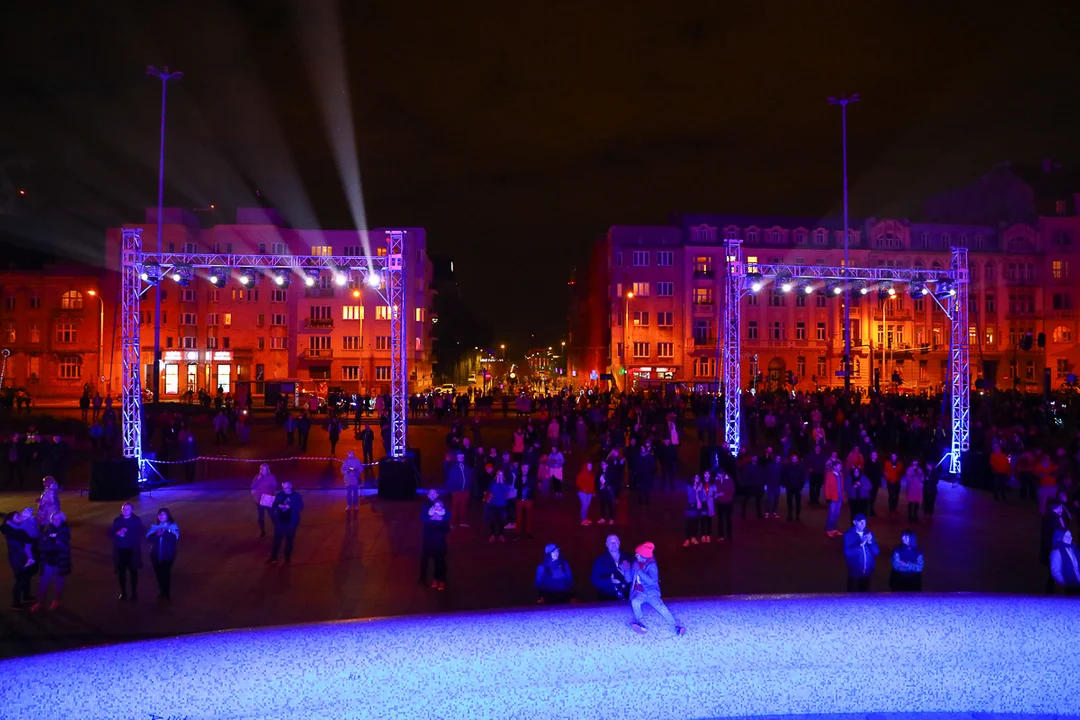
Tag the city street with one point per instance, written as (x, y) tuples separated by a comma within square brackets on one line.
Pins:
[(367, 566)]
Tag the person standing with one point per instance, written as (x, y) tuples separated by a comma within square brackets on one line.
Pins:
[(436, 526), (644, 576), (894, 470), (367, 444), (725, 498), (555, 461), (834, 496), (127, 537), (264, 488), (907, 565), (609, 571), (1053, 522), (527, 491), (303, 428), (21, 532), (605, 495), (287, 507), (874, 471), (56, 557), (495, 507), (860, 551), (752, 480), (48, 503), (857, 490), (816, 465), (1063, 563), (586, 483), (773, 473), (290, 429), (708, 511), (695, 503), (913, 478), (350, 470), (333, 429), (163, 536), (460, 479), (554, 581), (1000, 471), (793, 477)]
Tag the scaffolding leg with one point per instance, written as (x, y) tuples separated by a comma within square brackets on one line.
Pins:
[(130, 352), (959, 363), (730, 336), (399, 366)]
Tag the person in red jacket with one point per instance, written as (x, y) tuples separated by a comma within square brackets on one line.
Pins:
[(893, 471)]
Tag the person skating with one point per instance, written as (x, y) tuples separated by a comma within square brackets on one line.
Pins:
[(126, 534), (644, 577), (609, 571), (163, 536), (860, 551)]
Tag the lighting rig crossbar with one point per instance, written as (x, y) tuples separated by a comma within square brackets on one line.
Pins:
[(383, 274), (951, 285)]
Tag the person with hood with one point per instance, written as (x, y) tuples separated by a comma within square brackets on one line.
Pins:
[(263, 488), (21, 532), (609, 571), (49, 502), (350, 470), (860, 551), (644, 576), (1063, 563), (163, 536), (554, 583), (56, 556), (286, 511), (127, 536), (907, 565), (436, 526)]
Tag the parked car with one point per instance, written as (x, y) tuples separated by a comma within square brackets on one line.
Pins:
[(449, 388)]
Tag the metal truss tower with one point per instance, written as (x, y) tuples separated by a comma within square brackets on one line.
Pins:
[(959, 361), (731, 337), (738, 275), (396, 282), (382, 274)]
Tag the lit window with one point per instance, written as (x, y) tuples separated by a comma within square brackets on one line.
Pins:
[(70, 367), (382, 312), (352, 312), (420, 313), (322, 250), (71, 300)]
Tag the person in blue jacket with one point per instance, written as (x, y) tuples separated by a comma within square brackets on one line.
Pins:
[(860, 551), (609, 571)]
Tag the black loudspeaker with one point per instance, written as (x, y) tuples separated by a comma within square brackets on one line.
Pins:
[(399, 479), (113, 480), (975, 470)]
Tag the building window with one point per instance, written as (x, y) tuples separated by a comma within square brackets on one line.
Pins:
[(618, 259), (9, 303), (322, 250), (777, 330), (991, 335), (1062, 301), (665, 289), (279, 296), (704, 367), (350, 372), (990, 271), (1062, 334), (751, 300), (640, 258), (665, 258), (71, 300), (420, 314), (352, 342), (212, 296), (382, 342), (211, 342), (260, 342), (751, 236), (822, 367), (920, 305), (800, 300), (187, 295), (641, 318), (703, 296), (382, 312), (665, 319), (35, 333), (70, 367), (382, 372), (820, 331), (641, 289), (9, 332), (65, 333), (665, 350), (318, 343), (776, 299), (352, 312), (1029, 370), (35, 302), (187, 318), (821, 237), (800, 333), (1059, 269), (752, 330), (641, 350), (278, 343), (800, 366), (800, 237), (188, 342)]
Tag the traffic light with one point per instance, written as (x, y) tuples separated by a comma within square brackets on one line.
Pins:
[(622, 371)]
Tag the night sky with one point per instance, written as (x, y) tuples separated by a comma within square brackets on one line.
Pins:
[(517, 132)]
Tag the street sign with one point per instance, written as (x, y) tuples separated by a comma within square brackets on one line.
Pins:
[(607, 376), (841, 373)]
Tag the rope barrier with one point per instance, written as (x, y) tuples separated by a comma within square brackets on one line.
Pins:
[(250, 460)]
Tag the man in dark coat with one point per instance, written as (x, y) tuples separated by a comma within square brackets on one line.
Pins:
[(127, 535), (608, 571), (20, 531), (287, 508), (1053, 521), (436, 525)]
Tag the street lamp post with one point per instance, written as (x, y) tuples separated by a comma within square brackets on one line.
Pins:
[(101, 334), (626, 342), (165, 76), (843, 101)]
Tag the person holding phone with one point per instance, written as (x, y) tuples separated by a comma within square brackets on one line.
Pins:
[(163, 536), (860, 553), (127, 536)]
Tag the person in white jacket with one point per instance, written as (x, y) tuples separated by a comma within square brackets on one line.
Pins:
[(351, 469), (263, 484)]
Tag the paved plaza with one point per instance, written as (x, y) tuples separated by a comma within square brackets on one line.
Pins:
[(367, 565)]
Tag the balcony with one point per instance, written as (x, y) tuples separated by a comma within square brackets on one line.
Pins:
[(700, 342), (704, 274), (1063, 313), (319, 323), (702, 306), (319, 292), (318, 354)]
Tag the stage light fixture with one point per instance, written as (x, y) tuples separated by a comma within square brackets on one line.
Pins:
[(374, 279), (944, 288), (834, 288), (150, 273), (806, 288), (282, 277), (311, 277), (886, 290), (863, 288), (182, 274), (341, 277), (784, 283), (754, 282), (219, 277), (918, 288), (249, 278)]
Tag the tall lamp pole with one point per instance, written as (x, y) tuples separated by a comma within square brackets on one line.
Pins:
[(101, 335), (843, 101), (165, 76)]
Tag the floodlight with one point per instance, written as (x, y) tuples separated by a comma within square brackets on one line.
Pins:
[(282, 277), (374, 279), (182, 274), (806, 288), (754, 282), (341, 276), (249, 278), (219, 277), (784, 283), (834, 288), (150, 273), (311, 277)]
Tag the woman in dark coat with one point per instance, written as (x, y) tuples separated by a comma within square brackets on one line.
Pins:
[(127, 534), (56, 556), (163, 536)]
